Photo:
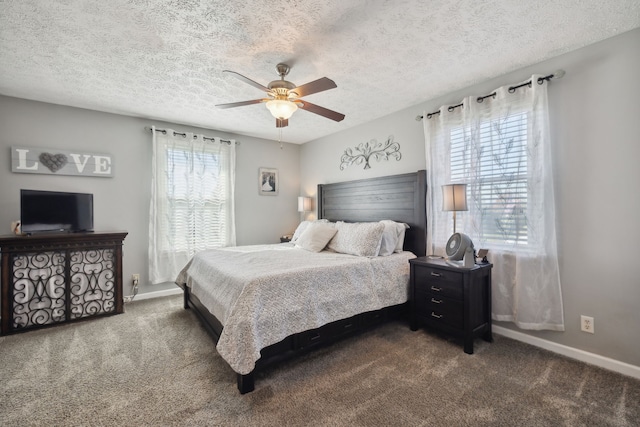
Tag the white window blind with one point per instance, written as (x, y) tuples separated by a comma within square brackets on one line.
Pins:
[(197, 221), (499, 187)]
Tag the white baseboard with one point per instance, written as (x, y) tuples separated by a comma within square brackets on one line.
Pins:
[(157, 294), (574, 353)]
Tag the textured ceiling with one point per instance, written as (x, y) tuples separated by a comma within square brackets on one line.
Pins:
[(163, 59)]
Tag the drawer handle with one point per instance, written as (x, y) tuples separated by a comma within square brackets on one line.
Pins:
[(437, 316), (433, 288), (315, 337), (436, 301), (435, 274)]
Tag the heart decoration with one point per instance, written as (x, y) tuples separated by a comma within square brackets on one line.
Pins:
[(54, 162)]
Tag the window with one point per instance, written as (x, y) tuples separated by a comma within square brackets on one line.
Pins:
[(197, 222), (499, 187)]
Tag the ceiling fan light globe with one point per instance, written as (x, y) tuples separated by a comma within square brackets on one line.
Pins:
[(281, 109)]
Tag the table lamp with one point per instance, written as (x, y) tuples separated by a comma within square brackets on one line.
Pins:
[(454, 199), (304, 204)]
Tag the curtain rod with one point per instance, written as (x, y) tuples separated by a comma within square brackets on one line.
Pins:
[(555, 75), (164, 131)]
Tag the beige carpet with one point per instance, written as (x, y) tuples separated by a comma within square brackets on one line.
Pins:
[(156, 366)]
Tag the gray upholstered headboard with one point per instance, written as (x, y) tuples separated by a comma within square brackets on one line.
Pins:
[(400, 198)]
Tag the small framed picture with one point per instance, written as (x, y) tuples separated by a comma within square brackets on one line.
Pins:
[(268, 184)]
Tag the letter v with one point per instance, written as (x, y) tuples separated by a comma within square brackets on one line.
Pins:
[(79, 163)]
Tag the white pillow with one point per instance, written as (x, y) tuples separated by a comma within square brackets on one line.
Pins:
[(299, 230), (360, 238), (402, 227), (389, 240), (302, 226), (316, 236)]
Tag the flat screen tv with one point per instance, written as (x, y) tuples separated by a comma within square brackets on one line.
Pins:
[(50, 211)]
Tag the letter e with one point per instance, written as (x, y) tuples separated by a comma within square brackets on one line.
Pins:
[(103, 165)]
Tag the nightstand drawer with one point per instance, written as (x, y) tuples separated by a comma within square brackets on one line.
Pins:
[(436, 309), (440, 282)]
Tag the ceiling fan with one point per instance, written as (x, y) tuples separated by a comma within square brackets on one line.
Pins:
[(284, 97)]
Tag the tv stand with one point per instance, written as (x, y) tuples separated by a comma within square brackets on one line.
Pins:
[(49, 279)]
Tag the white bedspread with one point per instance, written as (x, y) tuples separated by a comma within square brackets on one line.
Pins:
[(264, 293)]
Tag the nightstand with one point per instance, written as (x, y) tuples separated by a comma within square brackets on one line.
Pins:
[(450, 299)]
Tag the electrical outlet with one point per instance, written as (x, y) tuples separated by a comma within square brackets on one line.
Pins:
[(136, 279), (587, 324)]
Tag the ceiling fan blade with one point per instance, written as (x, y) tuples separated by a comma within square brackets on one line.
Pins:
[(242, 103), (247, 80), (281, 123), (314, 87), (325, 112)]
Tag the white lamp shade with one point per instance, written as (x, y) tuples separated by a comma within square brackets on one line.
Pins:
[(281, 109), (454, 197), (304, 204)]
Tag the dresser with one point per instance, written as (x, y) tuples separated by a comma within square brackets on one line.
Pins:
[(452, 300), (49, 279)]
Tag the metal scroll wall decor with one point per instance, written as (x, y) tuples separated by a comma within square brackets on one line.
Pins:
[(372, 149)]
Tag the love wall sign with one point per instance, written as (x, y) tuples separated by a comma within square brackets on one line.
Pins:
[(60, 162)]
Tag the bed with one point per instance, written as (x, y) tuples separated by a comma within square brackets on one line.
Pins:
[(260, 290)]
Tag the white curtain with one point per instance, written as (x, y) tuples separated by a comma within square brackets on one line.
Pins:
[(192, 200), (500, 148)]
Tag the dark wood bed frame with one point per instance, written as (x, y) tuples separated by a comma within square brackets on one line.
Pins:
[(401, 198)]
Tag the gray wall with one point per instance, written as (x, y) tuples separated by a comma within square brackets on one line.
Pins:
[(595, 116), (122, 202)]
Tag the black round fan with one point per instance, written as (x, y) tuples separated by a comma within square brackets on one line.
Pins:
[(457, 245)]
